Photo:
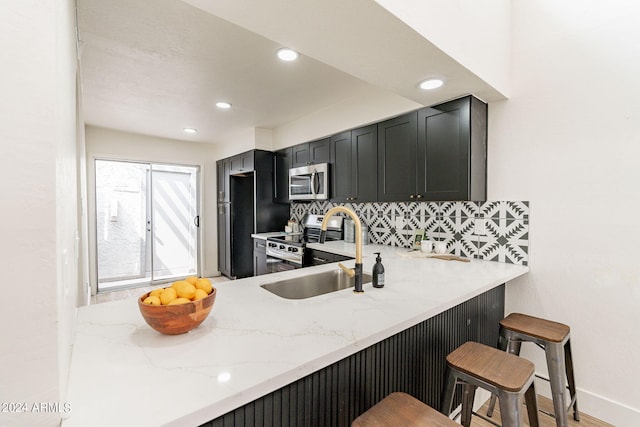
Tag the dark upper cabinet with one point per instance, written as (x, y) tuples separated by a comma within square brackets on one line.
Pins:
[(436, 153), (243, 162), (354, 165), (310, 153), (397, 148), (282, 164), (452, 151)]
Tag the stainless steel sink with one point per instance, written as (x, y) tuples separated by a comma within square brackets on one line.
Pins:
[(313, 284)]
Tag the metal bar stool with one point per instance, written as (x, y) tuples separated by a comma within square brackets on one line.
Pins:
[(509, 377), (401, 409), (553, 337)]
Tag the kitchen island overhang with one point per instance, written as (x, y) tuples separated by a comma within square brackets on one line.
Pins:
[(255, 343)]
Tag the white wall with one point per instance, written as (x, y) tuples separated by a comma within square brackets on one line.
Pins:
[(476, 33), (39, 225), (111, 144), (568, 140), (348, 114)]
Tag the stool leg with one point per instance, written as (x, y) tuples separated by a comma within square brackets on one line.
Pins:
[(468, 394), (492, 404), (448, 392), (568, 361), (532, 405), (513, 344), (555, 363), (510, 412)]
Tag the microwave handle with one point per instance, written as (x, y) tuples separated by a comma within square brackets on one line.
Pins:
[(313, 183)]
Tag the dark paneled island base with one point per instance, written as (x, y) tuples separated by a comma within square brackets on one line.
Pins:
[(412, 361)]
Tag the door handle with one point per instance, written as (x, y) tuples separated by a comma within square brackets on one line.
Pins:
[(313, 183)]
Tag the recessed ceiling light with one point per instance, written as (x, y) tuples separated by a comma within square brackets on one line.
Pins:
[(223, 104), (287, 54), (190, 130), (429, 84)]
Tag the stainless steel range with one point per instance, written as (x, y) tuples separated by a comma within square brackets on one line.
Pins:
[(290, 252)]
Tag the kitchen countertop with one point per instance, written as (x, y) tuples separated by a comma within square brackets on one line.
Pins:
[(253, 342)]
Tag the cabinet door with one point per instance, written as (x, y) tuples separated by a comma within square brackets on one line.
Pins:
[(364, 169), (397, 147), (321, 257), (222, 168), (341, 165), (242, 162), (300, 155), (259, 257), (224, 239), (281, 175), (319, 151), (443, 151)]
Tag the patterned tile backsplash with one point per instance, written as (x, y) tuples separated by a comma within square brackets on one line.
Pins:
[(494, 230)]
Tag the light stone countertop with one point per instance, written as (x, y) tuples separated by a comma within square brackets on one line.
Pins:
[(265, 236), (253, 342)]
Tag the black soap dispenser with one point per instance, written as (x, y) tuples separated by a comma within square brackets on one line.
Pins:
[(378, 272)]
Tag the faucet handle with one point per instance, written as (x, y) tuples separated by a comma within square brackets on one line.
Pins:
[(350, 271)]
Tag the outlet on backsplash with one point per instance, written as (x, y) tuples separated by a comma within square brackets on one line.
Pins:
[(480, 227)]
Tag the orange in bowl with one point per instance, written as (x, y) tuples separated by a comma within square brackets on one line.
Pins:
[(177, 318)]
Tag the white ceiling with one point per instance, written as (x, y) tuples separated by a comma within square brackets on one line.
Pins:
[(157, 67)]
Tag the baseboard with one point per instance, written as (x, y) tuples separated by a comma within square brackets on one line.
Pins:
[(600, 407), (607, 410)]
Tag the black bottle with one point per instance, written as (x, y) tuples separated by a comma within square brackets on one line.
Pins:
[(378, 272)]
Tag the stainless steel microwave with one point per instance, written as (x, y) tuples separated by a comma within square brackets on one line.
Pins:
[(309, 182)]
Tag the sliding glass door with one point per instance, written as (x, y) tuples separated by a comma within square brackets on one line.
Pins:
[(146, 223)]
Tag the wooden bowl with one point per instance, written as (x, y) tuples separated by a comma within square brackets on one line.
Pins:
[(176, 319)]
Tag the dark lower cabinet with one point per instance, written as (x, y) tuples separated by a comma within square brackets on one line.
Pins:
[(412, 361), (259, 257), (322, 257)]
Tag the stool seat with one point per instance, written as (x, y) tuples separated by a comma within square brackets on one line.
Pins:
[(489, 364), (509, 377), (401, 409), (543, 329)]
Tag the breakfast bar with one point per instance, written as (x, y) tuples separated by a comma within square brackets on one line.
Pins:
[(262, 356)]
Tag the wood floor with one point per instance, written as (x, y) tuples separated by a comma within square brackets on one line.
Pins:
[(545, 420)]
